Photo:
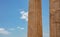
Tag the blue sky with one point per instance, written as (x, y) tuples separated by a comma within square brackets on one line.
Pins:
[(13, 18)]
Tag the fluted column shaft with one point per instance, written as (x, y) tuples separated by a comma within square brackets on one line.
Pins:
[(54, 18), (35, 19)]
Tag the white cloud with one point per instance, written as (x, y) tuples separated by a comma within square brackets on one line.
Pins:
[(18, 27), (24, 15), (45, 34), (21, 28), (3, 31)]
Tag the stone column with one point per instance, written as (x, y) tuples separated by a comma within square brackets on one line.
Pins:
[(35, 19), (54, 18)]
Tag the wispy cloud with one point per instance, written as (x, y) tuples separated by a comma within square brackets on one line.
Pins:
[(17, 28), (3, 31), (21, 28), (24, 15)]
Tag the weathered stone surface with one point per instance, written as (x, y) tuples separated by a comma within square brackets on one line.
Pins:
[(35, 19), (54, 18)]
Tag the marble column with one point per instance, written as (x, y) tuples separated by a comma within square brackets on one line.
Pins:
[(35, 19), (54, 18)]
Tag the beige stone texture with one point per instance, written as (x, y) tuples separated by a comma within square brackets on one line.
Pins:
[(54, 18), (35, 19)]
